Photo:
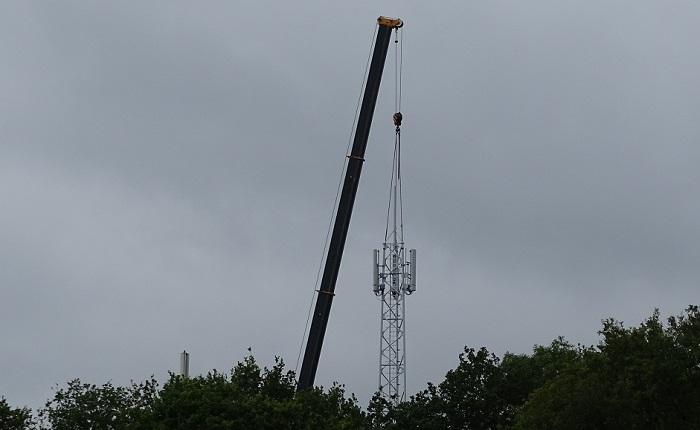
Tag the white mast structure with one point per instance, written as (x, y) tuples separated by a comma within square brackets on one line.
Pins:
[(394, 279)]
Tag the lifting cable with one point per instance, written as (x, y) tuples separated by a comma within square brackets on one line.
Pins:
[(335, 202), (398, 117)]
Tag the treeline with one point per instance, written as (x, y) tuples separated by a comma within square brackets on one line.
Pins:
[(640, 377)]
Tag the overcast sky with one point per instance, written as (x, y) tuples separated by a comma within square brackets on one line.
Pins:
[(168, 168)]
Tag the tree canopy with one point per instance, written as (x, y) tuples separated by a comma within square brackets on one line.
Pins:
[(645, 377), (14, 418), (640, 377)]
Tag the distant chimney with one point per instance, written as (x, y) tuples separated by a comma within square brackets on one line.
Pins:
[(185, 364)]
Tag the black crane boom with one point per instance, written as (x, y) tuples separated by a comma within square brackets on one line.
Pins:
[(324, 300)]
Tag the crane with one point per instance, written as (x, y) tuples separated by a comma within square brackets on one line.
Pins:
[(326, 290)]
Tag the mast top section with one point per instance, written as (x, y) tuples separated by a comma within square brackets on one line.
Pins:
[(389, 22)]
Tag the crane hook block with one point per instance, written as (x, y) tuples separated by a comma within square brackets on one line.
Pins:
[(397, 119), (389, 22)]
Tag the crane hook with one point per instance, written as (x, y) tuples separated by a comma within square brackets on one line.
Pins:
[(397, 119)]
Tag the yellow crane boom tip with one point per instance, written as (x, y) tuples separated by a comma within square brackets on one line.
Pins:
[(389, 22)]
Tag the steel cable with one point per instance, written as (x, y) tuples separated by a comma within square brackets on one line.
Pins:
[(335, 202)]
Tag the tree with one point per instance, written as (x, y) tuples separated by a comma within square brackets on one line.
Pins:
[(645, 377), (470, 393), (14, 418), (88, 406), (250, 397), (472, 396)]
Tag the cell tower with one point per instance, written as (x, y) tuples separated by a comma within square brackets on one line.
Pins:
[(394, 279)]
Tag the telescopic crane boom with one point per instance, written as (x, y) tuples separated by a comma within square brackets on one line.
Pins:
[(324, 300)]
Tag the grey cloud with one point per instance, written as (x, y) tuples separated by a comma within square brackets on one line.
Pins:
[(167, 171)]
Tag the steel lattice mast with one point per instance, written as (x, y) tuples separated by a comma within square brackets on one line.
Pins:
[(394, 279)]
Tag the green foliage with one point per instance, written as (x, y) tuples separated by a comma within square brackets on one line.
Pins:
[(470, 394), (248, 397), (14, 418), (87, 406), (423, 411), (644, 377), (470, 397)]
